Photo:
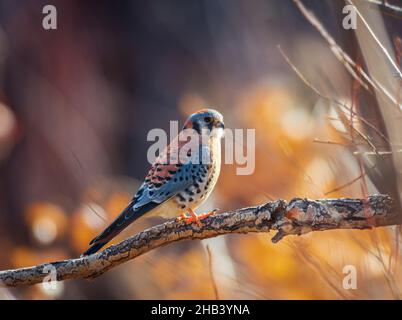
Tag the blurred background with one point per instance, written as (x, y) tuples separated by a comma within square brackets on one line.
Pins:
[(76, 105)]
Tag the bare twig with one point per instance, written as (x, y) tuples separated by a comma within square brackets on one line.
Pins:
[(337, 103), (331, 142), (378, 42), (378, 153), (297, 217), (347, 184), (387, 7), (322, 268), (357, 73)]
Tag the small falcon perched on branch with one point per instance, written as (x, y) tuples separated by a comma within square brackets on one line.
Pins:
[(181, 178)]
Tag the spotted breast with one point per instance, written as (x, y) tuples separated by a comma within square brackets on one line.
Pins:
[(201, 178)]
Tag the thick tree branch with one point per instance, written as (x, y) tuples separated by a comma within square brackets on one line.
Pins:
[(297, 217)]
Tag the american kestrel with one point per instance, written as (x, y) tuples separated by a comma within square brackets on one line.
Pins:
[(180, 179)]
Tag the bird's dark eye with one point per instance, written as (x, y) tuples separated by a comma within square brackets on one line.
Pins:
[(207, 119)]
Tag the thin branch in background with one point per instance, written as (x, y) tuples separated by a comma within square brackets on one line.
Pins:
[(378, 42), (211, 273), (362, 119), (385, 269), (176, 269), (349, 141), (360, 176), (355, 105), (364, 137), (346, 123), (398, 230), (293, 161), (367, 249), (320, 267), (390, 280), (344, 58), (363, 184), (366, 153), (78, 176), (301, 76), (378, 153), (398, 55), (335, 48), (338, 103), (387, 7), (247, 284), (316, 140), (96, 213)]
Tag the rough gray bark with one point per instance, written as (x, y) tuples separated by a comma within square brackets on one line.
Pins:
[(297, 217)]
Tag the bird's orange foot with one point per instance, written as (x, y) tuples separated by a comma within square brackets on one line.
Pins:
[(193, 217), (207, 214), (182, 217)]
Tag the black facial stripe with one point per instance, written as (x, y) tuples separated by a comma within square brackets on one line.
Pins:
[(196, 127)]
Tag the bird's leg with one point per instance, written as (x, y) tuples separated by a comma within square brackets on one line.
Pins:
[(192, 218)]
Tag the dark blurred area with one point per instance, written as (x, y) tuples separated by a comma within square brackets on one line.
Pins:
[(76, 105)]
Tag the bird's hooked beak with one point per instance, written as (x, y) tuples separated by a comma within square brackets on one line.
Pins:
[(219, 129), (220, 124)]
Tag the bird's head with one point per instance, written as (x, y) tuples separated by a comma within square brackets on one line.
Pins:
[(205, 119)]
